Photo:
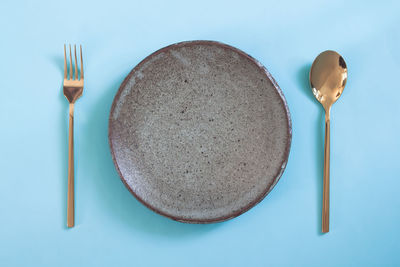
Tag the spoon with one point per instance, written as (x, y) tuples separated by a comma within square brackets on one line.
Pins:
[(328, 76)]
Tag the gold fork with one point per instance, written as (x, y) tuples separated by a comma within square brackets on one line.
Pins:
[(73, 88)]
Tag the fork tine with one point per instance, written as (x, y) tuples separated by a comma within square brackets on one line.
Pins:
[(81, 62), (70, 63), (65, 64), (76, 64)]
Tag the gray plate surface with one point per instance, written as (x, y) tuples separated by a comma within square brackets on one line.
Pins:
[(199, 132)]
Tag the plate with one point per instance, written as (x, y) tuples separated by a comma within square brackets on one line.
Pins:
[(199, 132)]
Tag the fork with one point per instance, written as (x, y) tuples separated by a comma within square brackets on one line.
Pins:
[(73, 88)]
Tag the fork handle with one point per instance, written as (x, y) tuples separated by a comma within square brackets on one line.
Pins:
[(70, 199), (325, 196)]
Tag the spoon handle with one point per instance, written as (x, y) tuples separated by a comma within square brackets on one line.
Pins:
[(325, 197)]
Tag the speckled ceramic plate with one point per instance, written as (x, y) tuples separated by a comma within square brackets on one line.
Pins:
[(199, 132)]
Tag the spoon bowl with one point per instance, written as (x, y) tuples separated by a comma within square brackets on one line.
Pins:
[(328, 77)]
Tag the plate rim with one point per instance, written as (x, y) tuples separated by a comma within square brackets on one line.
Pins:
[(268, 188)]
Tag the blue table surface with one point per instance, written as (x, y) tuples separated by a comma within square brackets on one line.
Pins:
[(112, 227)]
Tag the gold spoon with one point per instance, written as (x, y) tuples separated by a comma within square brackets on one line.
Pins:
[(328, 76)]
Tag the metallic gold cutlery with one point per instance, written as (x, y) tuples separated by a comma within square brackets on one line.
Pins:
[(328, 78), (73, 88)]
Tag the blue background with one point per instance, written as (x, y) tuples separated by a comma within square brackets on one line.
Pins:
[(112, 227)]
